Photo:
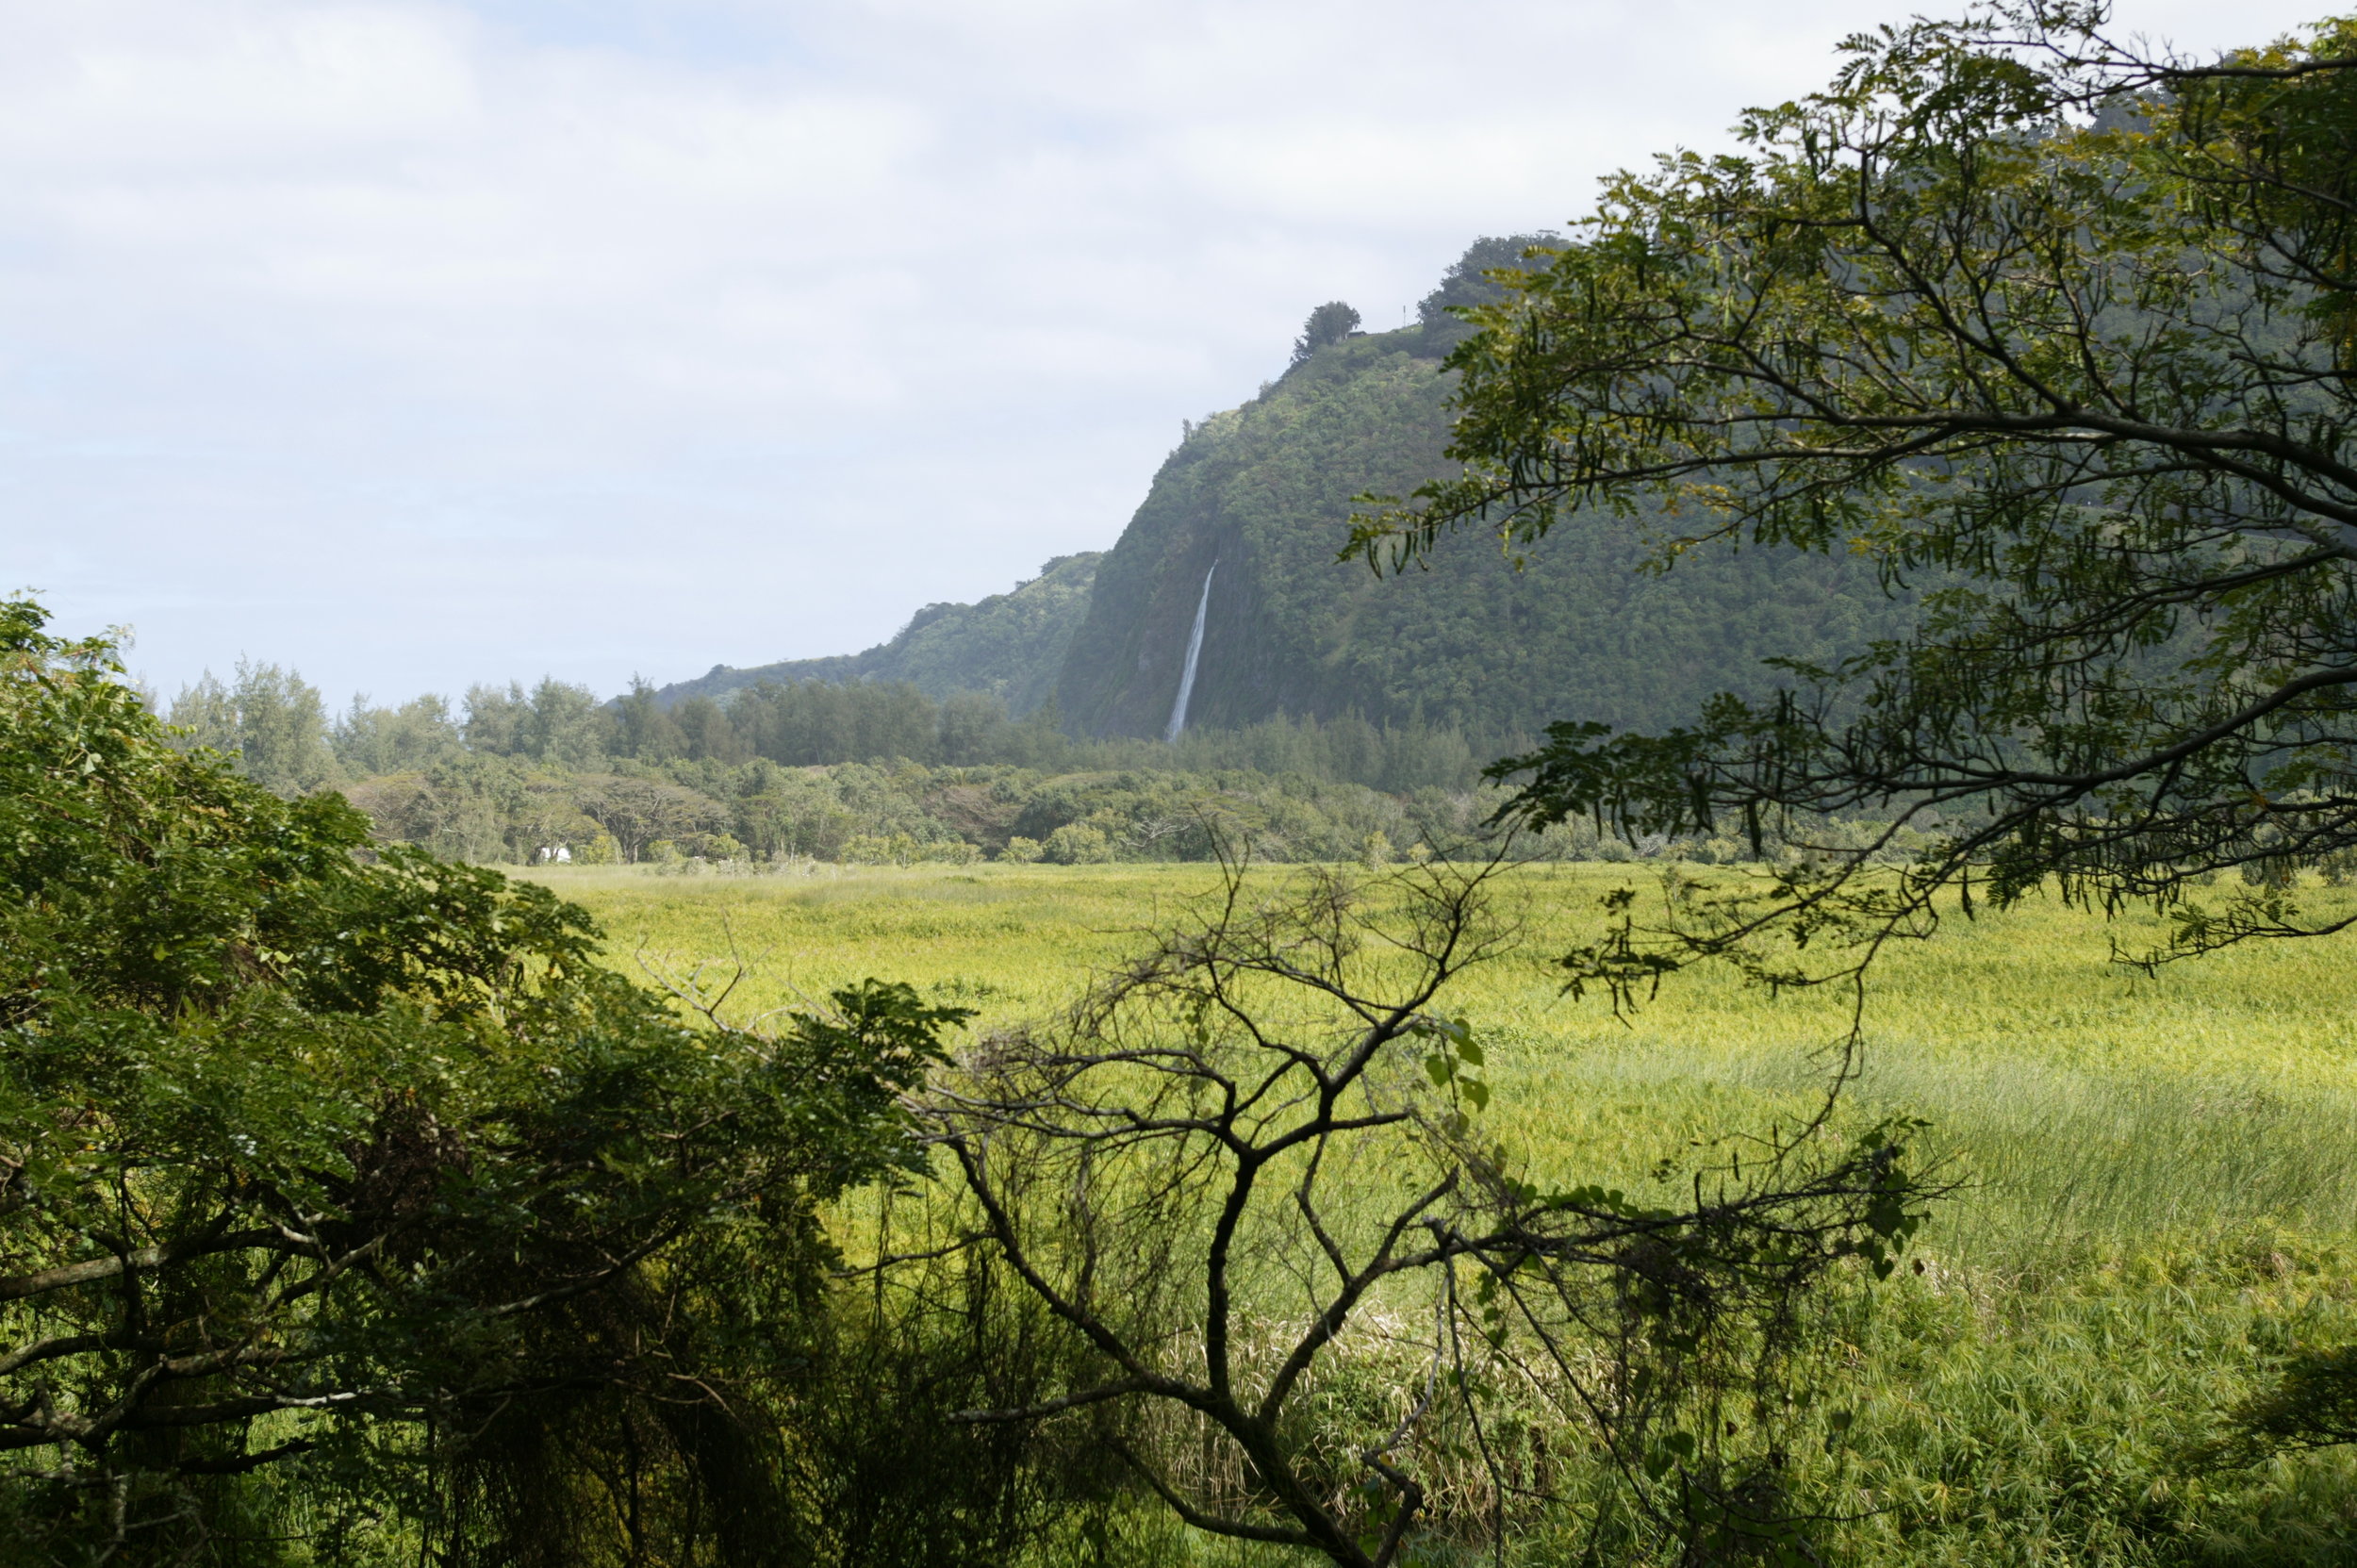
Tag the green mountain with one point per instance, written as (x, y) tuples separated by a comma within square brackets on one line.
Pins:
[(1009, 646), (1257, 500)]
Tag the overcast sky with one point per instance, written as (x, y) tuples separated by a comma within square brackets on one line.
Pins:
[(417, 344)]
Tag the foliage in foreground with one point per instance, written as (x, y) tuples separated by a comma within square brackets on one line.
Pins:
[(2156, 1214), (1256, 1152), (2066, 328), (356, 1212), (2059, 326), (347, 1206)]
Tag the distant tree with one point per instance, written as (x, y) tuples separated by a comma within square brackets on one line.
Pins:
[(1077, 844), (640, 812), (894, 721), (1467, 283), (2068, 331), (973, 730), (1038, 740), (795, 816), (1328, 324), (496, 719), (568, 726), (205, 714), (419, 734), (797, 724), (704, 726), (811, 722), (646, 732), (272, 721), (557, 723)]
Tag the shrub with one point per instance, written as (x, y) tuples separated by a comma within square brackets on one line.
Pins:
[(869, 849), (1020, 850), (1076, 844)]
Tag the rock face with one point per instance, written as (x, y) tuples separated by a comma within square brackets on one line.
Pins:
[(1578, 631)]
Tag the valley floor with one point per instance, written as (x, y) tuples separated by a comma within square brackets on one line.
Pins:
[(2159, 1173)]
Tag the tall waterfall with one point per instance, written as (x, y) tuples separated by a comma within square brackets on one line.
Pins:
[(1194, 651)]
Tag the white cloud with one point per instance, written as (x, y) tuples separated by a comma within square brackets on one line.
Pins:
[(418, 343)]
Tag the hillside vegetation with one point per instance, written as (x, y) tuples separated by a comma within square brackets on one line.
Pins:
[(1492, 647), (1489, 646), (1009, 646)]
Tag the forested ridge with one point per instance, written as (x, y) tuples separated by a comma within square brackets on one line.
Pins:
[(1489, 646), (1009, 646)]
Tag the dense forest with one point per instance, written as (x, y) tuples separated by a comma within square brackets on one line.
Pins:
[(864, 771)]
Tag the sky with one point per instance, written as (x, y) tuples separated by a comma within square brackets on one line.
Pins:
[(417, 344)]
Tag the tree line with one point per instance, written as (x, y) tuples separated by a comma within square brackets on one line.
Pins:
[(520, 776), (278, 728), (873, 772)]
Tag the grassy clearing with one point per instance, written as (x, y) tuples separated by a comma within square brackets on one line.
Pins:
[(2162, 1172)]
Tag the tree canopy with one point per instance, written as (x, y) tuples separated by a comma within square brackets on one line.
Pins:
[(2060, 331), (1328, 324), (325, 1155)]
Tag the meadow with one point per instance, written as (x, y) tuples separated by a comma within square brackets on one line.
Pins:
[(2157, 1174)]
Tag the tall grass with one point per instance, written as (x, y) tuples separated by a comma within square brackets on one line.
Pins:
[(2158, 1174)]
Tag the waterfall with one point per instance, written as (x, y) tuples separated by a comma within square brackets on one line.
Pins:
[(1194, 651)]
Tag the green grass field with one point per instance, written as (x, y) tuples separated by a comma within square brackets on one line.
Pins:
[(2160, 1174)]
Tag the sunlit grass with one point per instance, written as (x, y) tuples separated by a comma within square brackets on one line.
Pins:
[(2158, 1173)]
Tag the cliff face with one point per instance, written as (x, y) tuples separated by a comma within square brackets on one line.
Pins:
[(1009, 646), (1578, 632)]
